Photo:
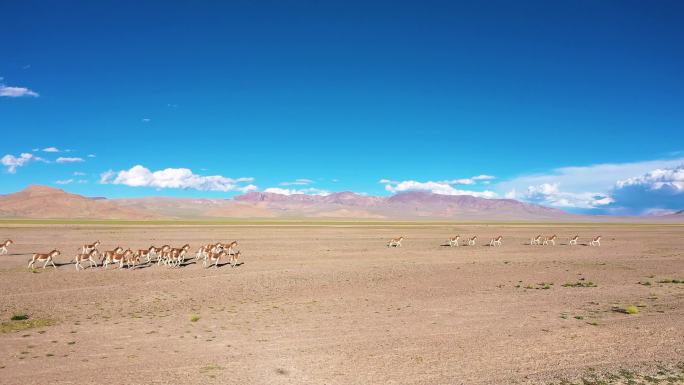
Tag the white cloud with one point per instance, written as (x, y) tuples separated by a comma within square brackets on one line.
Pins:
[(62, 159), (139, 176), (65, 181), (297, 182), (483, 177), (13, 162), (286, 191), (79, 173), (620, 188), (146, 120), (16, 92), (91, 155), (670, 178), (598, 177), (550, 194), (440, 187), (51, 149), (658, 190)]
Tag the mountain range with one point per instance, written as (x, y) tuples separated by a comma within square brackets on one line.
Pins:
[(46, 202)]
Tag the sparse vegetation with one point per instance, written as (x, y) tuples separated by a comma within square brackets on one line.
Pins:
[(19, 317), (22, 322), (671, 281), (630, 309), (194, 318), (663, 375), (580, 284)]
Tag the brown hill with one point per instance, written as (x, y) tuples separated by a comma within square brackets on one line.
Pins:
[(48, 202), (405, 205), (195, 208)]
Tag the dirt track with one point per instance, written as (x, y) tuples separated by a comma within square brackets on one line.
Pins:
[(333, 305)]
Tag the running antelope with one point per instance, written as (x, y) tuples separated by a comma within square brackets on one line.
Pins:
[(551, 240), (395, 242), (596, 241), (4, 245), (214, 258), (164, 254), (496, 241), (234, 259), (48, 258), (112, 256), (177, 256), (90, 257), (453, 241), (471, 241), (86, 249), (147, 253), (536, 240), (131, 259), (230, 247), (573, 240), (205, 250)]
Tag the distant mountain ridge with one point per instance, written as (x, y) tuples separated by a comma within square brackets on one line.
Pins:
[(48, 202)]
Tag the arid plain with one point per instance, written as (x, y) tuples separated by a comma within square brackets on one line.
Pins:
[(331, 304)]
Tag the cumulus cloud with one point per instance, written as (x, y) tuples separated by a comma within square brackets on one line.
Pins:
[(51, 149), (16, 92), (12, 162), (286, 191), (584, 187), (659, 190), (598, 177), (439, 187), (297, 182), (140, 176), (65, 181), (550, 194), (62, 159)]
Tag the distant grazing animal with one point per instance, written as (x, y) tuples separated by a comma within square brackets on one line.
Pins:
[(48, 258), (90, 257), (472, 240), (596, 241), (536, 240), (453, 241), (551, 240), (4, 245), (496, 241), (573, 240), (86, 249), (395, 242)]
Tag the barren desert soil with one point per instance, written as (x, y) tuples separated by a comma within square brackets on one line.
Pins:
[(333, 305)]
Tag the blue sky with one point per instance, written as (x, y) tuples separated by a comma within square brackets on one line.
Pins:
[(573, 104)]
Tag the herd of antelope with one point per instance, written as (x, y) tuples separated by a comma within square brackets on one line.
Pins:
[(210, 254), (498, 241)]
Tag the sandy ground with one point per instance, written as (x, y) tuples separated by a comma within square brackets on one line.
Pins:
[(333, 305)]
